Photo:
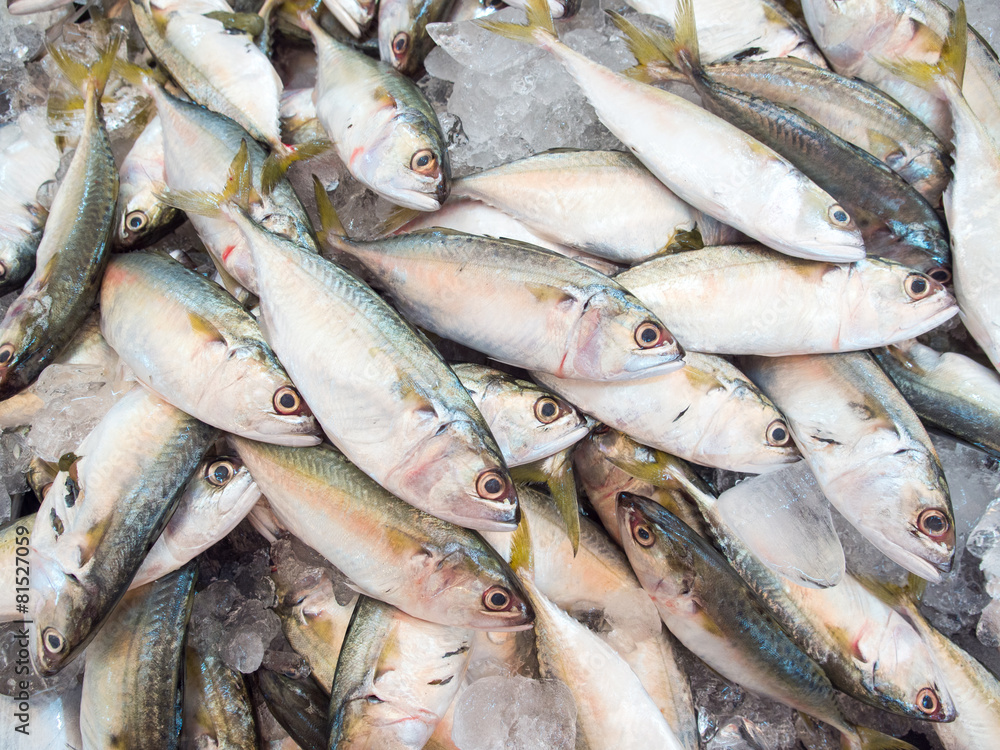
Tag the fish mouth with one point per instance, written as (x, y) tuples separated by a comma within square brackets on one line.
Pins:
[(928, 323), (416, 199), (930, 571), (648, 367), (556, 445), (289, 439), (503, 516)]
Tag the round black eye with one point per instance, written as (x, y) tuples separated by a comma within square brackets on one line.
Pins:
[(6, 352), (648, 335), (54, 641), (401, 43), (546, 410), (940, 274), (928, 701), (136, 221), (643, 535), (424, 161), (934, 523), (287, 401), (778, 434), (220, 472), (491, 485), (839, 215), (917, 286), (497, 599)]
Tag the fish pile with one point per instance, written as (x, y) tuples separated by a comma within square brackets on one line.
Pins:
[(537, 455)]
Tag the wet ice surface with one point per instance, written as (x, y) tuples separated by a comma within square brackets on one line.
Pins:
[(984, 15), (502, 713)]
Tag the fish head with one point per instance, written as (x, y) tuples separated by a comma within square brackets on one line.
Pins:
[(903, 302), (906, 676), (458, 470), (396, 34), (17, 260), (656, 543), (22, 342), (253, 391), (530, 422), (473, 584), (824, 229), (142, 218), (65, 619), (381, 714), (743, 429), (616, 337), (220, 487), (408, 162), (905, 510)]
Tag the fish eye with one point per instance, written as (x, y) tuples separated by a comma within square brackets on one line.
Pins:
[(373, 699), (940, 274), (933, 523), (643, 535), (839, 216), (928, 701), (401, 44), (53, 640), (491, 485), (424, 161), (287, 402), (135, 221), (649, 334), (497, 599), (6, 353), (917, 286), (547, 410), (778, 434), (220, 471)]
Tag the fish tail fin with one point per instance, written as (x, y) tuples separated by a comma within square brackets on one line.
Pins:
[(330, 223), (557, 473), (906, 596), (89, 77), (279, 160), (137, 75), (521, 558), (648, 49), (686, 55), (950, 65), (238, 191), (397, 219), (869, 739), (540, 30)]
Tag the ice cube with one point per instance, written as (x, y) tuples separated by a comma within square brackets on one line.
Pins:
[(515, 713)]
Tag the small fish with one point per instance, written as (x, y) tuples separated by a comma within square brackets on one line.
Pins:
[(395, 679), (529, 422), (403, 41), (217, 708), (787, 306), (707, 412), (142, 217), (383, 128), (131, 688), (191, 342), (298, 705)]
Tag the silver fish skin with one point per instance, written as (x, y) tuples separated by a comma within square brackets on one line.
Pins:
[(787, 306), (142, 217), (105, 509), (354, 15), (217, 708), (395, 679), (426, 567), (72, 254), (603, 202), (189, 341), (28, 158), (852, 109), (948, 390), (752, 188), (765, 29), (134, 665), (199, 148), (529, 422), (315, 604), (298, 705), (14, 557), (383, 128), (216, 499), (708, 412), (869, 452), (516, 303), (390, 403)]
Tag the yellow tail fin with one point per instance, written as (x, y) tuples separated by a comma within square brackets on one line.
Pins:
[(521, 558), (329, 222), (238, 190), (539, 29), (556, 472), (278, 162), (93, 76), (951, 63)]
